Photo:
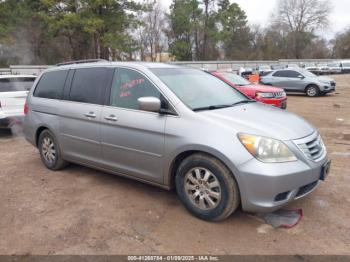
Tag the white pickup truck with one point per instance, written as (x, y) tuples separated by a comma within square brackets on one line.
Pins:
[(13, 93)]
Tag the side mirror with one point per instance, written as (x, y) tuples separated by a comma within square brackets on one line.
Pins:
[(150, 104), (301, 77)]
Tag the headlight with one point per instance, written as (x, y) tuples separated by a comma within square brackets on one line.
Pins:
[(265, 95), (325, 82), (267, 150)]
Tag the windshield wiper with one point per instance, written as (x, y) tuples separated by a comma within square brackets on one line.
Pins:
[(243, 102), (210, 107), (222, 106)]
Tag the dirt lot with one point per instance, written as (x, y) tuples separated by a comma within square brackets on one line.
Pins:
[(83, 211)]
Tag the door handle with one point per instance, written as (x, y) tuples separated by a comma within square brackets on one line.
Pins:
[(90, 115), (111, 118)]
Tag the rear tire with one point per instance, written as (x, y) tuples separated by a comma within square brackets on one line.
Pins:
[(207, 188), (50, 152), (312, 91)]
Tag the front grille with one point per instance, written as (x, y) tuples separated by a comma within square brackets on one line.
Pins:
[(279, 94), (333, 84), (312, 147), (305, 189)]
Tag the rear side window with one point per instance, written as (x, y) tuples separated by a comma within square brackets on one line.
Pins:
[(279, 74), (87, 85), (51, 85), (16, 84), (286, 73)]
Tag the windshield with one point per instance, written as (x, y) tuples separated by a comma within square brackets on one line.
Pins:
[(199, 90), (235, 79)]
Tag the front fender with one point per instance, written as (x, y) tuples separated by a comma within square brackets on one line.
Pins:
[(197, 148)]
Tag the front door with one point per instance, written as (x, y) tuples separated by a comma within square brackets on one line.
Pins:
[(132, 140)]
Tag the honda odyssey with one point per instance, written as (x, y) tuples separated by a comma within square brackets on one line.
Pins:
[(175, 127)]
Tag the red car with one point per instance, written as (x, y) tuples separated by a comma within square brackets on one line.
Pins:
[(266, 94)]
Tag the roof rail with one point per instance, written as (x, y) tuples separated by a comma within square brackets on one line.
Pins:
[(81, 62)]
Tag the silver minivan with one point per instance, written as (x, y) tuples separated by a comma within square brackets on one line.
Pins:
[(175, 127)]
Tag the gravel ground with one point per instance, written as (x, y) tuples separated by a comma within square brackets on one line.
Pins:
[(84, 211)]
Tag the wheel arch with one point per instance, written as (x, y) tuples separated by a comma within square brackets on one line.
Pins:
[(38, 131), (311, 84), (180, 156)]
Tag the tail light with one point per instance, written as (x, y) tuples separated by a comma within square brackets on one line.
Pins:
[(26, 108)]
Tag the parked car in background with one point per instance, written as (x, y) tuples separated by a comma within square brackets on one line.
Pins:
[(265, 94), (277, 67), (175, 127), (264, 69), (293, 66), (300, 80), (345, 67), (335, 68), (245, 72), (324, 69), (13, 93), (313, 69)]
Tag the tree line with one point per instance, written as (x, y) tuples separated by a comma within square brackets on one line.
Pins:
[(51, 31)]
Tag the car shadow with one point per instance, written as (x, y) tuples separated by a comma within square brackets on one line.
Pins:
[(165, 198), (305, 96), (5, 133), (15, 130)]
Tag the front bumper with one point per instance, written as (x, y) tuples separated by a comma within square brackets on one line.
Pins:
[(268, 187), (329, 88)]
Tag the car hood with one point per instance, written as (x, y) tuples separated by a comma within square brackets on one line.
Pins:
[(262, 120), (325, 78), (261, 88)]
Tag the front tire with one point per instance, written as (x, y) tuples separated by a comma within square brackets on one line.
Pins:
[(207, 188), (312, 91), (50, 152)]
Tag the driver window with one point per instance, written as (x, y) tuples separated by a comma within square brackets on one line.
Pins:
[(129, 85)]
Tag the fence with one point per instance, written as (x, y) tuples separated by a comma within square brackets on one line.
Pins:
[(209, 65), (236, 65), (23, 70)]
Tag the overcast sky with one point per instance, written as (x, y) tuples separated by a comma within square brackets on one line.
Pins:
[(259, 12)]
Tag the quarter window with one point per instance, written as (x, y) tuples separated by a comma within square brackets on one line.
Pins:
[(87, 85), (51, 85), (128, 86)]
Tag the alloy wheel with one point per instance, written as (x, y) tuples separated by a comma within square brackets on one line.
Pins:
[(48, 150), (202, 188), (311, 91)]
